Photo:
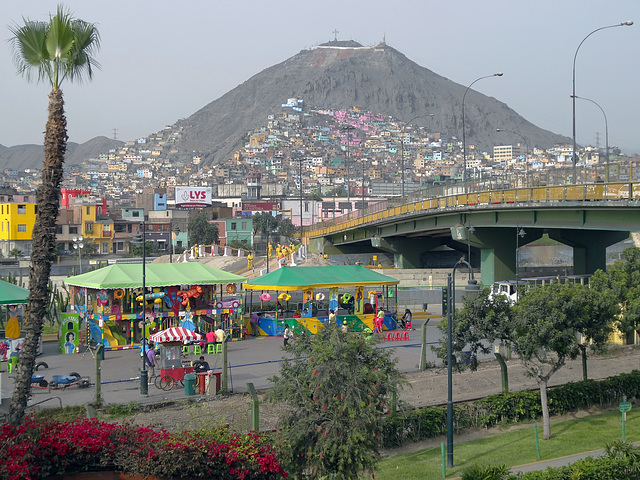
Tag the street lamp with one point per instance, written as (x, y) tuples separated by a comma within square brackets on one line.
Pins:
[(526, 164), (144, 376), (472, 287), (347, 129), (573, 95), (520, 233), (606, 129), (173, 230), (78, 244), (470, 230), (301, 200), (464, 138), (402, 145)]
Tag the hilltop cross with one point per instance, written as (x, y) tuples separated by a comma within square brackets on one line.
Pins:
[(335, 35)]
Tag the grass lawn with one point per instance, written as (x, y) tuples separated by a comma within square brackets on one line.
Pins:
[(515, 447)]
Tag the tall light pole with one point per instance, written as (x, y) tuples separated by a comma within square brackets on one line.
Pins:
[(470, 230), (171, 232), (606, 129), (526, 164), (402, 146), (78, 244), (520, 233), (301, 199), (347, 129), (471, 287), (144, 376), (574, 154), (464, 138)]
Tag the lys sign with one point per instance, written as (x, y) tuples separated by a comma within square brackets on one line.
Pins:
[(193, 197)]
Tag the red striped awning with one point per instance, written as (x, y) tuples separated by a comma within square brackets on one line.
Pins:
[(175, 334)]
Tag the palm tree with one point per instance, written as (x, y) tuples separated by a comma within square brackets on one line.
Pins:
[(57, 50)]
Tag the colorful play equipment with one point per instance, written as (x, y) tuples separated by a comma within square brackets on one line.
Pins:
[(310, 316), (118, 321), (231, 288), (284, 297), (265, 297)]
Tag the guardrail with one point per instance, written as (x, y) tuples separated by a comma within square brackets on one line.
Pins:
[(456, 197)]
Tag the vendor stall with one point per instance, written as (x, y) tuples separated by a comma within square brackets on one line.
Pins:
[(189, 295), (172, 367), (302, 297)]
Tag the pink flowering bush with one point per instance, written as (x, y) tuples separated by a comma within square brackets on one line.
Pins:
[(38, 450)]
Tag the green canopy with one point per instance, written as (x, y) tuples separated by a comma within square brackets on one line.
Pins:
[(11, 294), (299, 278), (156, 275)]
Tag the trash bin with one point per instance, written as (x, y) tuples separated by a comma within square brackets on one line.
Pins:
[(218, 376), (201, 385), (190, 384)]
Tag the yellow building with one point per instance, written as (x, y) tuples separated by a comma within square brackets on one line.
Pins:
[(16, 227)]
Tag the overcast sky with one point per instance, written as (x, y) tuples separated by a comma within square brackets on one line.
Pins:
[(163, 60)]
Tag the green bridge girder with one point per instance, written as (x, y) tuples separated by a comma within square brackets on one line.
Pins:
[(588, 227)]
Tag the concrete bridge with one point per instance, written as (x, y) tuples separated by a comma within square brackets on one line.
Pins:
[(490, 219)]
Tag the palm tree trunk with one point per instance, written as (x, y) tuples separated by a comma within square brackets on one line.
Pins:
[(43, 254)]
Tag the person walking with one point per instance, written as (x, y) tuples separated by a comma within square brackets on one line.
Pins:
[(287, 335), (151, 361), (332, 316)]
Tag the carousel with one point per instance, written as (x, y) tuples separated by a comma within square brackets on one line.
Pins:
[(302, 298), (190, 295)]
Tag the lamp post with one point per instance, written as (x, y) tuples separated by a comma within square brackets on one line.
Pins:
[(402, 146), (173, 230), (606, 129), (523, 139), (470, 230), (301, 199), (347, 129), (144, 376), (464, 138), (520, 233), (78, 244), (573, 94), (471, 286)]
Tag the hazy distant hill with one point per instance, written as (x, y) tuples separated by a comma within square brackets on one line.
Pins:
[(32, 156), (379, 79)]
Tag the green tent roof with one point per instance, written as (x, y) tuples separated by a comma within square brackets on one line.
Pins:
[(299, 278), (156, 275), (11, 294)]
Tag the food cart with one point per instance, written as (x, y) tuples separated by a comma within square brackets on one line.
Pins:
[(172, 367)]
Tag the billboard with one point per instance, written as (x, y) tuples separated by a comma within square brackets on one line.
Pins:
[(193, 197), (259, 206)]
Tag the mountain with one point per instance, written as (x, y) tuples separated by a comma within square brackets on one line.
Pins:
[(341, 74), (32, 156)]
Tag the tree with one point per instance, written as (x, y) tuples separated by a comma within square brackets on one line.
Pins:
[(286, 228), (547, 326), (202, 232), (53, 51), (482, 321), (263, 222), (336, 387), (623, 279), (15, 252)]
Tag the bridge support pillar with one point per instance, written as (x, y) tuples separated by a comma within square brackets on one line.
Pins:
[(406, 251), (589, 251), (498, 252)]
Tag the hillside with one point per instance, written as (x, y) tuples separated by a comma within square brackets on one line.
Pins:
[(32, 156), (378, 79)]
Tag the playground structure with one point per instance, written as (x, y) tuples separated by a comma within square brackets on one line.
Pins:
[(118, 314), (353, 292)]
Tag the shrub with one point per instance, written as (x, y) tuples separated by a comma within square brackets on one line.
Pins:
[(415, 425), (37, 450)]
